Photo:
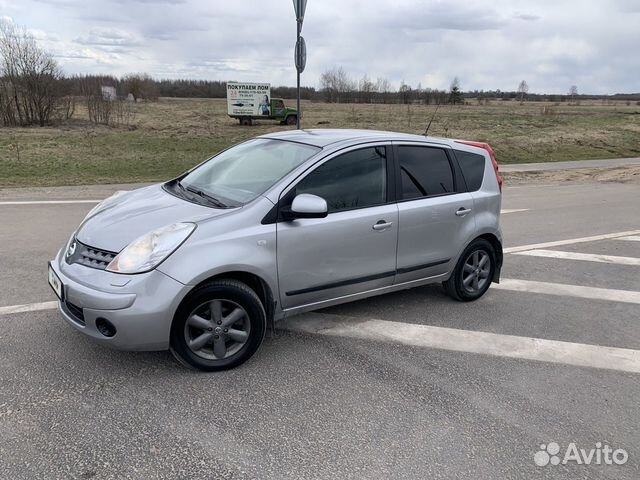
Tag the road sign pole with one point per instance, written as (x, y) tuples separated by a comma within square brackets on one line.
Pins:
[(300, 53), (299, 28)]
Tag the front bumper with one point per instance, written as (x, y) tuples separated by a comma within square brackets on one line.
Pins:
[(141, 307)]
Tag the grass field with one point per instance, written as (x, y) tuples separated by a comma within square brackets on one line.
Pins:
[(171, 135)]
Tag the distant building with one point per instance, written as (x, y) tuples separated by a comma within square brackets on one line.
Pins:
[(108, 92)]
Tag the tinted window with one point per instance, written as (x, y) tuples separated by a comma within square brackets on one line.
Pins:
[(354, 180), (472, 166), (424, 172)]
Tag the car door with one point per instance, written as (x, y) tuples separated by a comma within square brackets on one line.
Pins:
[(352, 249), (436, 215)]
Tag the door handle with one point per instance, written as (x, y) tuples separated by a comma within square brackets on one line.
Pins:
[(461, 212), (381, 225)]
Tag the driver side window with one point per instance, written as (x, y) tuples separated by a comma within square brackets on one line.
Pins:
[(357, 179)]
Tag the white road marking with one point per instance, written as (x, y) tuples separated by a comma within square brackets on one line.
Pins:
[(31, 307), (589, 257), (630, 238), (48, 202), (514, 210), (561, 289), (570, 241), (528, 348)]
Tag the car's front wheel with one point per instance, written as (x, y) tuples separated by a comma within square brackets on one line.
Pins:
[(219, 326), (473, 273)]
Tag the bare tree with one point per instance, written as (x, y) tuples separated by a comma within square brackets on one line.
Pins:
[(141, 86), (405, 92), (573, 92), (328, 85), (366, 88), (31, 92), (383, 87), (335, 84), (523, 89), (101, 109)]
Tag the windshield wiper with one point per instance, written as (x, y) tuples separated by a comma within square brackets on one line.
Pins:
[(180, 185), (204, 195), (185, 191)]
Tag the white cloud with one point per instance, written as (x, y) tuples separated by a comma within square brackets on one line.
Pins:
[(104, 36), (43, 36), (527, 16)]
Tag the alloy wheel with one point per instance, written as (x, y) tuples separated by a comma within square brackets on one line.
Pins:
[(217, 329), (475, 274)]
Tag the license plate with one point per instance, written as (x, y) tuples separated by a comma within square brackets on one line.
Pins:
[(55, 283)]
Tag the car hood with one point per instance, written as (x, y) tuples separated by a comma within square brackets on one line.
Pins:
[(135, 213)]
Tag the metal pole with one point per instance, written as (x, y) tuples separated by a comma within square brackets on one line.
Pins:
[(299, 23)]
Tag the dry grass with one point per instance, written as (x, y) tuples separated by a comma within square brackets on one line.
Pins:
[(169, 136), (629, 174)]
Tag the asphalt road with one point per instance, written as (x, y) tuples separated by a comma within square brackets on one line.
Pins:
[(366, 396)]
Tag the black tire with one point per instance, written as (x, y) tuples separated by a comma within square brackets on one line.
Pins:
[(292, 120), (230, 294), (246, 121), (455, 286)]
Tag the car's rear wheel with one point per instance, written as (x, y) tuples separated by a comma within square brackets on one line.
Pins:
[(473, 273), (219, 326), (292, 120)]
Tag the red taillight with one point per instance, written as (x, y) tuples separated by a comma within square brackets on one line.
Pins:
[(486, 146)]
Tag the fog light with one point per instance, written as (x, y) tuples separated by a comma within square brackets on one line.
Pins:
[(105, 327)]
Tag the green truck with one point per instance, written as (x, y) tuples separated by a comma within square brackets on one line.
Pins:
[(252, 101)]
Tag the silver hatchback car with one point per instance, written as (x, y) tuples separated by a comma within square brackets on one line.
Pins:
[(278, 225)]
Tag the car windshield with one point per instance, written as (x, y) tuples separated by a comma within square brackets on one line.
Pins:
[(238, 175)]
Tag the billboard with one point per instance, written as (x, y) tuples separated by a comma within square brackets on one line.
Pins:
[(248, 99)]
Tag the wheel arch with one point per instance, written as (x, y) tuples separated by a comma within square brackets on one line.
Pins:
[(497, 247), (255, 282)]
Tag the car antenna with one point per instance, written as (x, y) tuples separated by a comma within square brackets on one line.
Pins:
[(426, 132)]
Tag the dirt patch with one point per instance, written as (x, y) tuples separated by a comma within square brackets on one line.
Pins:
[(581, 175)]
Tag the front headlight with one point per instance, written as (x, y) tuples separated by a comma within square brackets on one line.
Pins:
[(148, 251)]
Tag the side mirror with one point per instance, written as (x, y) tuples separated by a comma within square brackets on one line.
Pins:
[(306, 205)]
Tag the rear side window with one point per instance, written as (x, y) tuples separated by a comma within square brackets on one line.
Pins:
[(356, 179), (425, 172), (472, 166)]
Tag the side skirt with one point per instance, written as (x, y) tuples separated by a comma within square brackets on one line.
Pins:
[(359, 296)]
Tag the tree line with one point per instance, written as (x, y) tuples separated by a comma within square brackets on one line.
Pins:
[(336, 86)]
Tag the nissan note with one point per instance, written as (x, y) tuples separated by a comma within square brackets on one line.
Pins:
[(278, 225)]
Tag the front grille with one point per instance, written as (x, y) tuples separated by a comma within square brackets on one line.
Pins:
[(74, 311), (90, 256)]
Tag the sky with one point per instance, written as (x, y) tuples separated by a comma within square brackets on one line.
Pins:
[(486, 44)]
